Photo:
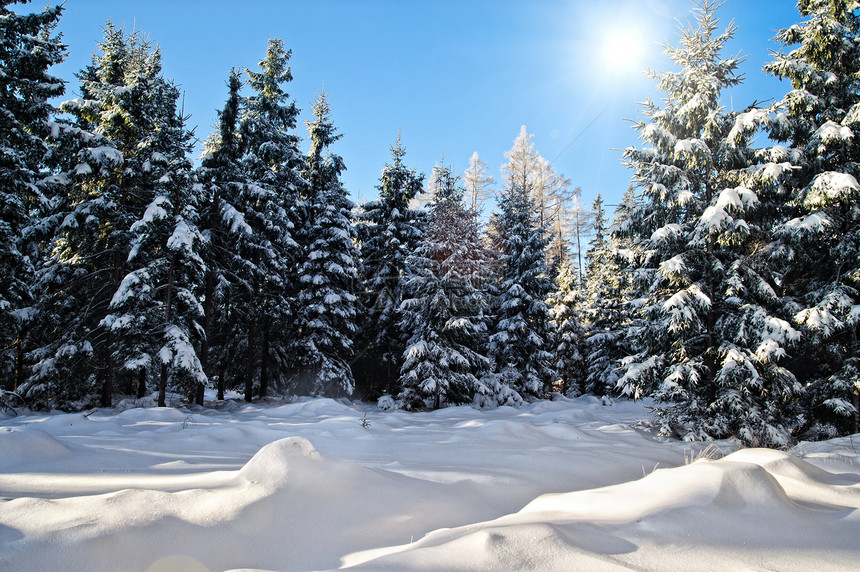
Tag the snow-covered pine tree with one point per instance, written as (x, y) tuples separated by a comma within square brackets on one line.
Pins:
[(27, 51), (820, 250), (327, 313), (712, 339), (271, 204), (126, 101), (220, 178), (444, 305), (564, 304), (522, 334), (388, 232), (156, 312), (602, 308)]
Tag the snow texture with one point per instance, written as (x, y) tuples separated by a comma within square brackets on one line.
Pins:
[(323, 485)]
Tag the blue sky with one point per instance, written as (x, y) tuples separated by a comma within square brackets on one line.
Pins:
[(456, 76)]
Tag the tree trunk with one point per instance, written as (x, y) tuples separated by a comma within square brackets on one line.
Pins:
[(208, 308), (162, 386), (107, 387), (250, 358), (264, 357), (221, 381), (19, 360), (141, 383), (162, 382)]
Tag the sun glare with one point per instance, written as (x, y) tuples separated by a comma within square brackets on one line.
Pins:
[(622, 49)]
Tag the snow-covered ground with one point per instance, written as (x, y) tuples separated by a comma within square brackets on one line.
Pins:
[(320, 485)]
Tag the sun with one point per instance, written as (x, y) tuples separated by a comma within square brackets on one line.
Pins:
[(622, 49)]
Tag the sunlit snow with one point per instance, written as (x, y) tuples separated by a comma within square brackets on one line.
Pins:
[(321, 485)]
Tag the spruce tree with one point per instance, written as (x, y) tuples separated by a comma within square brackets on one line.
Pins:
[(388, 232), (564, 305), (521, 338), (220, 177), (444, 305), (603, 307), (272, 204), (27, 51), (327, 314), (819, 248), (125, 100), (712, 339)]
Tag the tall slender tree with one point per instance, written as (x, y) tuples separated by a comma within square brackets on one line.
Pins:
[(327, 312), (274, 206), (27, 52), (477, 183), (220, 177), (602, 308), (521, 338), (388, 232)]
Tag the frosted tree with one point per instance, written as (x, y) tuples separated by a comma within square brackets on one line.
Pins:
[(522, 333), (388, 232), (712, 338), (220, 179), (549, 191), (579, 223), (444, 305), (272, 204), (327, 313), (819, 251), (477, 184), (602, 306), (564, 304), (26, 86), (125, 100)]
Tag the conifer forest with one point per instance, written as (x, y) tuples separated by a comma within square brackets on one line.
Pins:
[(725, 286)]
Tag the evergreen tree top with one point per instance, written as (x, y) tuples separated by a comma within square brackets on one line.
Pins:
[(274, 72), (398, 185), (444, 188), (269, 95), (321, 129)]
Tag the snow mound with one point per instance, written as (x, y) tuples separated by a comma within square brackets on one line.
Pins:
[(271, 465), (20, 445), (766, 498)]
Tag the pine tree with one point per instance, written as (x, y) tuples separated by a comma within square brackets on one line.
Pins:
[(388, 232), (327, 303), (602, 309), (522, 333), (444, 305), (272, 205), (564, 306), (819, 253), (126, 101), (27, 51), (712, 340), (155, 312), (220, 177)]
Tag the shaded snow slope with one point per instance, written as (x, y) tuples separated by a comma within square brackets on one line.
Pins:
[(561, 485)]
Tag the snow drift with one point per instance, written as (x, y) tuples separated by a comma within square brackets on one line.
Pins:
[(568, 484)]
